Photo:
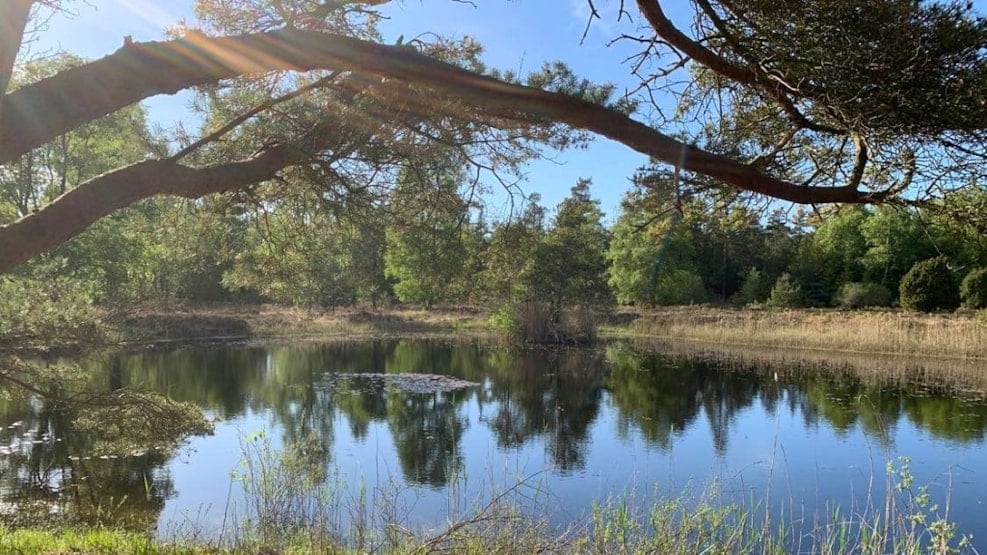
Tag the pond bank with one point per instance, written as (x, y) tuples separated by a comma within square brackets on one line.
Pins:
[(677, 526), (179, 323), (962, 335), (569, 409), (943, 336)]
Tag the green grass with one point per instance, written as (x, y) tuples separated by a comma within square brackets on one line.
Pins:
[(79, 540)]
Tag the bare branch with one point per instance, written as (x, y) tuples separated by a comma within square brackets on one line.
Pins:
[(859, 164), (593, 14), (142, 69)]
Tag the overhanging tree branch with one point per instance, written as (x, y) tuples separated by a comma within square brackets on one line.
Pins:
[(140, 70), (665, 29), (73, 212), (39, 112)]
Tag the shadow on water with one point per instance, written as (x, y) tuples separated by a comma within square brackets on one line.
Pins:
[(571, 405)]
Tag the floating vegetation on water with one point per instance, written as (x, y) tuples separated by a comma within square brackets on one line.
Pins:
[(410, 383)]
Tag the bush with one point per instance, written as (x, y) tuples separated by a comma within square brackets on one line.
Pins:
[(973, 289), (506, 320), (679, 287), (47, 311), (929, 286), (536, 322), (860, 295), (785, 293), (753, 288)]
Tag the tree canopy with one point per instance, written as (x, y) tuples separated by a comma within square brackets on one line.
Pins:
[(835, 101)]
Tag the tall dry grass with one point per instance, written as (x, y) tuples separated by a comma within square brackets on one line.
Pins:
[(885, 332)]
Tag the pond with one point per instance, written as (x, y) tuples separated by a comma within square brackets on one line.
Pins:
[(562, 428)]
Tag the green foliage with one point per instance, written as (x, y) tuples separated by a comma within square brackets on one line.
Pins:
[(45, 309), (286, 490), (680, 287), (663, 237), (786, 293), (508, 254), (934, 46), (126, 422), (548, 284), (505, 320), (429, 239), (632, 255), (50, 170), (568, 265), (285, 261), (957, 226), (973, 289), (753, 290), (896, 239), (860, 295), (832, 255), (929, 286)]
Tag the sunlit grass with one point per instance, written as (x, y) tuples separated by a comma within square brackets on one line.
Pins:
[(887, 332), (79, 540)]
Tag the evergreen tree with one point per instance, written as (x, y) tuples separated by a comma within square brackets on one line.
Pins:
[(427, 250), (568, 266)]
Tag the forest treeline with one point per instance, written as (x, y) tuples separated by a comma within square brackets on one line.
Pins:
[(424, 239), (427, 242)]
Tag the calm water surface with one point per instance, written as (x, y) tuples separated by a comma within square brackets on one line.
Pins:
[(575, 425)]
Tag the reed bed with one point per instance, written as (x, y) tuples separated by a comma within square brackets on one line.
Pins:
[(886, 332)]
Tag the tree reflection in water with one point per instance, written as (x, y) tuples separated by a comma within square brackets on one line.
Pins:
[(545, 397), (76, 453)]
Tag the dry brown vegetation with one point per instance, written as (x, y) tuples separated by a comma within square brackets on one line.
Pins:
[(962, 335), (181, 321)]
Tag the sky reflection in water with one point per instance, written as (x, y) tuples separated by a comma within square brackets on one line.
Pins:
[(576, 425)]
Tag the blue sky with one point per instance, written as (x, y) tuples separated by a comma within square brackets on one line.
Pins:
[(517, 35)]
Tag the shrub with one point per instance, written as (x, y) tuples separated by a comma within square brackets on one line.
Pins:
[(973, 289), (929, 286), (536, 322), (785, 293), (47, 311), (859, 295), (680, 287), (505, 319), (753, 288)]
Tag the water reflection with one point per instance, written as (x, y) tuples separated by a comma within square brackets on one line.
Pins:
[(50, 471), (556, 400), (660, 395)]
